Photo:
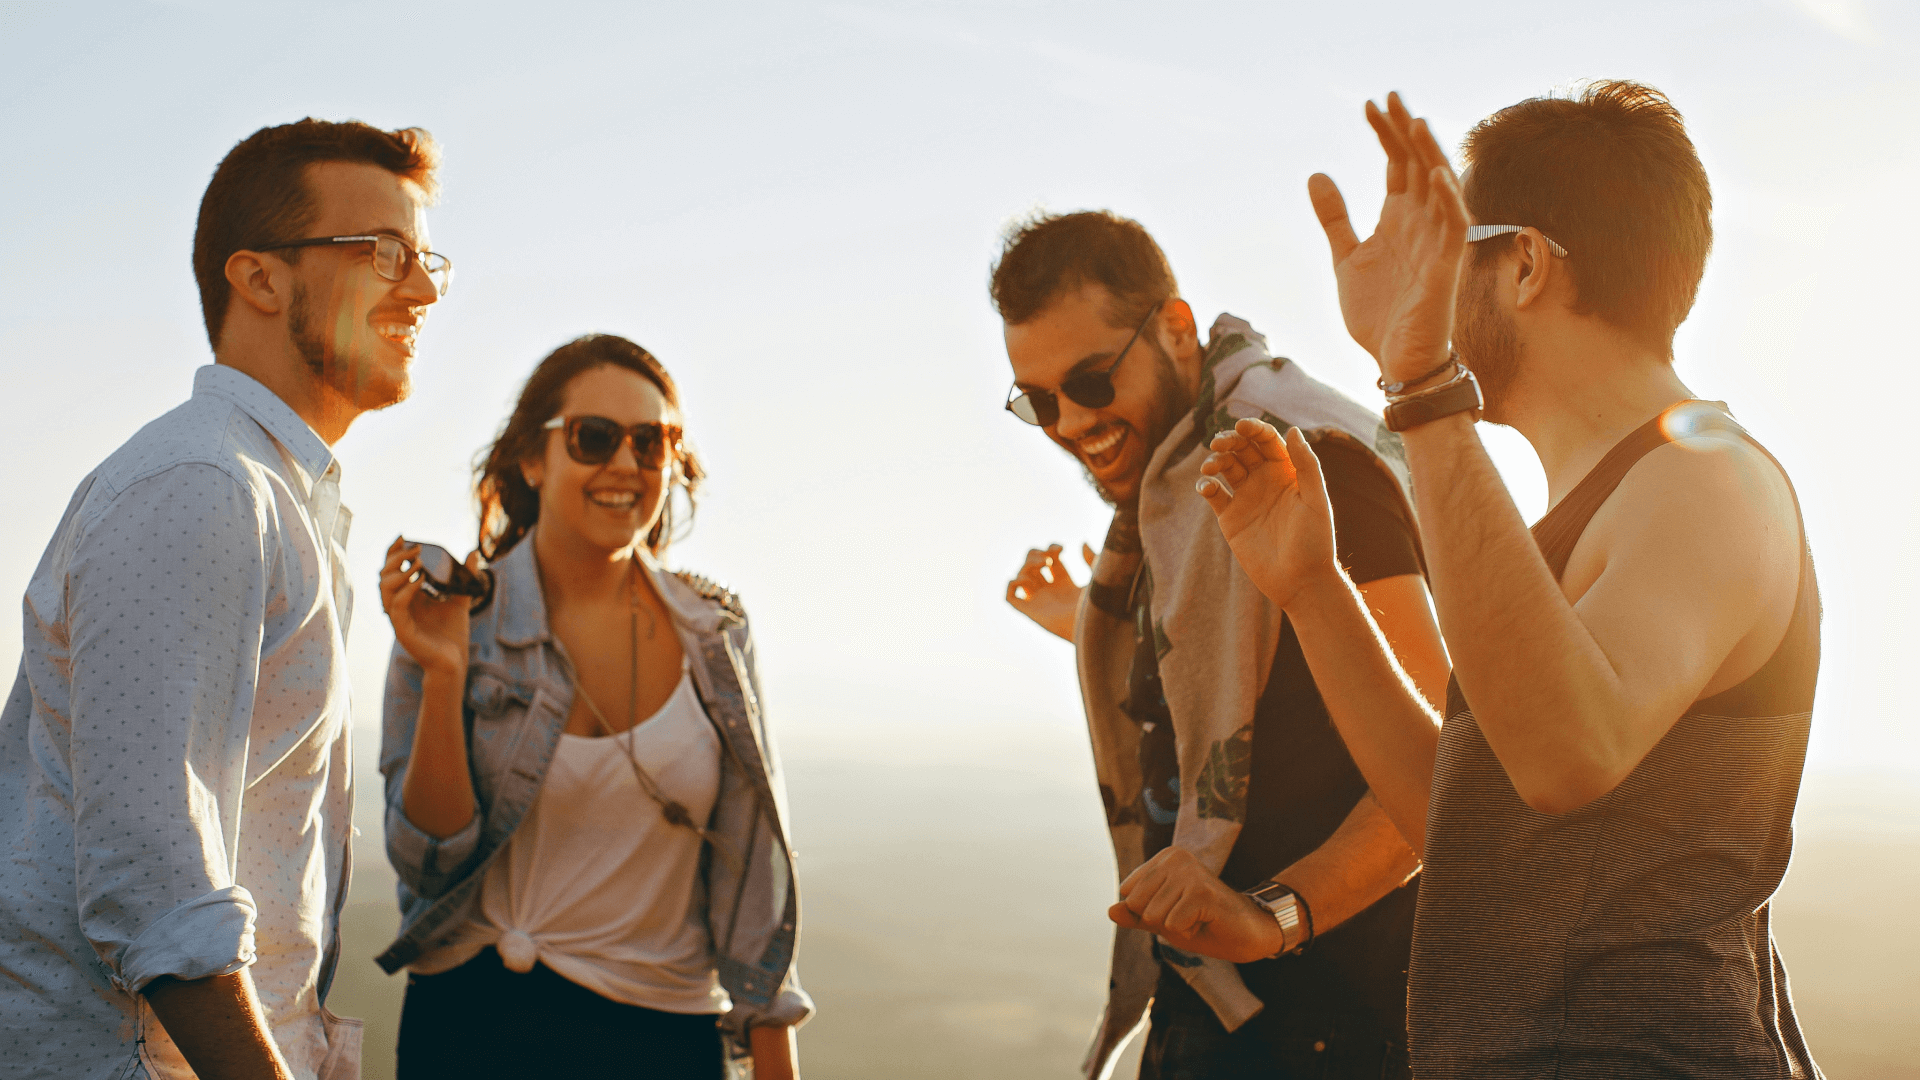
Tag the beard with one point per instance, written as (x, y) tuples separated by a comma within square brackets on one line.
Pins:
[(351, 377), (1488, 345), (1169, 402)]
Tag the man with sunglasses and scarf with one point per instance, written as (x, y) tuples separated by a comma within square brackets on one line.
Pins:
[(1226, 787), (175, 777)]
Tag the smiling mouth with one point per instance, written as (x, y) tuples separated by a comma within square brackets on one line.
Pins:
[(622, 501), (1102, 451), (403, 334)]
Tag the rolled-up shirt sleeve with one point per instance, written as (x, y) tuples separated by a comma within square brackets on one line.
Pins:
[(167, 597), (428, 865)]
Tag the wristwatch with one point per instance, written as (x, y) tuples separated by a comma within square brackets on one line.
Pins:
[(1458, 394), (1286, 907)]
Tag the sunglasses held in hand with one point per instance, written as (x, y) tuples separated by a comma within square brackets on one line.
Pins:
[(593, 440), (442, 575), (1088, 389)]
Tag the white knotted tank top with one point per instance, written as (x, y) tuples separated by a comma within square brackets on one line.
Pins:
[(596, 883)]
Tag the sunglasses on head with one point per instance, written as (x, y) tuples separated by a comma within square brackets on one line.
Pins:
[(1088, 389), (593, 440)]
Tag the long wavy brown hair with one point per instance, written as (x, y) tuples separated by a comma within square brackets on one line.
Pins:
[(509, 505)]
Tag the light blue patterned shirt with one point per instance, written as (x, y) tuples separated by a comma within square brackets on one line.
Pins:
[(175, 778)]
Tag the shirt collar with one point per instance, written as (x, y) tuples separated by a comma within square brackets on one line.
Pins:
[(308, 449)]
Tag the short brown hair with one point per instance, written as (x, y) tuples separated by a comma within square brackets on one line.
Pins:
[(509, 506), (1610, 174), (1049, 254), (259, 194)]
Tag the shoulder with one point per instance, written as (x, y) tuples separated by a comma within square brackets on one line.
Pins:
[(188, 446), (1713, 472), (1710, 504), (712, 592)]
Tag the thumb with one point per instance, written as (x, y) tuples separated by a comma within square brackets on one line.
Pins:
[(1331, 209)]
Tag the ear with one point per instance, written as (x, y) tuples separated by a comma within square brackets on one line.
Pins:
[(1536, 269), (533, 471), (261, 282), (1180, 334)]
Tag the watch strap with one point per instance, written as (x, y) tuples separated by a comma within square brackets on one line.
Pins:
[(1461, 394), (1285, 906)]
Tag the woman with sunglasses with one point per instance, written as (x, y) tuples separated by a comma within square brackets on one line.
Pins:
[(582, 802)]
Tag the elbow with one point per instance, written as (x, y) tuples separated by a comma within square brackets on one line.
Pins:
[(1564, 791)]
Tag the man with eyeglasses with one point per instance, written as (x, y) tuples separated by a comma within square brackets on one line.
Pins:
[(175, 781), (1226, 787), (1608, 807)]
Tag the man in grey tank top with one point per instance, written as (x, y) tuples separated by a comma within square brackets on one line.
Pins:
[(1606, 810)]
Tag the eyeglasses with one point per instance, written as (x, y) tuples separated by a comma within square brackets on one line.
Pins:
[(1477, 233), (593, 440), (1090, 389), (393, 258)]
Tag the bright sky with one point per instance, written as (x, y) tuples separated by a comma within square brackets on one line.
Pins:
[(795, 205)]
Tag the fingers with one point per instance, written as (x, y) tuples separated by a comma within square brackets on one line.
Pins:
[(1087, 553), (1331, 209), (1265, 439), (1306, 466), (1394, 142)]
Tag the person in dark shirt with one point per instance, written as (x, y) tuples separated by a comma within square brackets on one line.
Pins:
[(1327, 993)]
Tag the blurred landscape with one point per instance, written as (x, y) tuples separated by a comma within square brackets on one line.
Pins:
[(954, 920)]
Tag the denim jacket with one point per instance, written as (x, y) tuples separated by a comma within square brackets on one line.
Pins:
[(518, 697)]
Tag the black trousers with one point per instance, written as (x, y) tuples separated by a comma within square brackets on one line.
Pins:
[(481, 1021), (1185, 1041)]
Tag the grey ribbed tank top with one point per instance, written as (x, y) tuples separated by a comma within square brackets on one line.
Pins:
[(1629, 938)]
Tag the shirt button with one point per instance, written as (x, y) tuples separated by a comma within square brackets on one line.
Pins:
[(1319, 1046)]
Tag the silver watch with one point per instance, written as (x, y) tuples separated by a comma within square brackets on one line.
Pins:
[(1280, 902)]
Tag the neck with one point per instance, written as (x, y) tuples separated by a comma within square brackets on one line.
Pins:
[(280, 368), (1576, 399), (575, 574)]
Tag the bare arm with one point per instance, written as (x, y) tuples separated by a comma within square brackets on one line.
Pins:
[(1366, 858), (1571, 691), (219, 1026), (774, 1054)]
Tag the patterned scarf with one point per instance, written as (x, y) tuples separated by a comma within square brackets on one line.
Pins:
[(1216, 636)]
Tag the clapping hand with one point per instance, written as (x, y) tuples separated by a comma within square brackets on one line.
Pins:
[(1272, 508), (1397, 287), (1044, 592)]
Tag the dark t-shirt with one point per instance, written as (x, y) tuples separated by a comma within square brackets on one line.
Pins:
[(1302, 783)]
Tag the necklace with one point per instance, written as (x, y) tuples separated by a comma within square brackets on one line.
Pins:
[(672, 809)]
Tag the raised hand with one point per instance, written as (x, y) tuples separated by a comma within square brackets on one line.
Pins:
[(434, 632), (1397, 287), (1272, 507), (1044, 592)]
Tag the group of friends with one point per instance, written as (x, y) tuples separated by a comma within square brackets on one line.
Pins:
[(1396, 785)]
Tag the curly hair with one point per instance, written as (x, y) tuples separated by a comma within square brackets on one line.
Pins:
[(509, 506)]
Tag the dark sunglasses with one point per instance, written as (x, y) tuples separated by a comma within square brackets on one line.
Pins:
[(442, 575), (593, 440), (1089, 389)]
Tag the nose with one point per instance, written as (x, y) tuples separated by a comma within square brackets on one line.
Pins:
[(1075, 420), (417, 288)]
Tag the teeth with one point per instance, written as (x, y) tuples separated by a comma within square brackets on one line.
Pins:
[(398, 331), (613, 500), (1103, 444)]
